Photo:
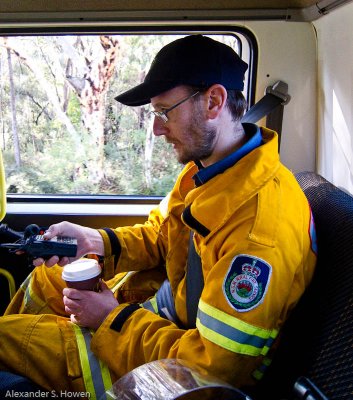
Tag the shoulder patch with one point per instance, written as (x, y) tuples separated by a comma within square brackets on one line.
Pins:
[(246, 282)]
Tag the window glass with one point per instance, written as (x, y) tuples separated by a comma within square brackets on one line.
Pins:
[(62, 132)]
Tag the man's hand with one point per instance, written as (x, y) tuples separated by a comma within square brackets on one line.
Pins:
[(89, 241), (87, 308)]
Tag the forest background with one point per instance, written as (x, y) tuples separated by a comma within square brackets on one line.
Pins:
[(62, 132)]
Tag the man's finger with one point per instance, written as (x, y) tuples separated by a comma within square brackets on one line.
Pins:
[(52, 261), (63, 261), (103, 285), (38, 262), (72, 294)]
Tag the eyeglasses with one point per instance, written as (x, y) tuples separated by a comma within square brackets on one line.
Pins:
[(163, 114)]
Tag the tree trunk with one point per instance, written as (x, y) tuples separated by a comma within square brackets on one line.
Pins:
[(50, 91), (148, 155), (91, 84), (16, 142), (91, 89), (1, 108)]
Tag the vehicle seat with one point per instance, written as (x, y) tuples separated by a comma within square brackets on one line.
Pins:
[(317, 340)]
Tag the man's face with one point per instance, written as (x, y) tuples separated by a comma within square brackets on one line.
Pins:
[(187, 128)]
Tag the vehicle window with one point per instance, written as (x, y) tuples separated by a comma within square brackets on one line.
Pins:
[(62, 132)]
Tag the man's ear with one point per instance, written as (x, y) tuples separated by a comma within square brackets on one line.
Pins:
[(217, 98)]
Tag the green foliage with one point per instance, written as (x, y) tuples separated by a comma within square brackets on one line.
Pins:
[(74, 111), (53, 160)]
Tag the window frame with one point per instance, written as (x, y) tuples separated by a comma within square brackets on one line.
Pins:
[(14, 201)]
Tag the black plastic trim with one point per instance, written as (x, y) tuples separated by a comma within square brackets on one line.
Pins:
[(86, 199)]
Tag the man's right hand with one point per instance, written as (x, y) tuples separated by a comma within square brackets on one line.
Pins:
[(89, 241)]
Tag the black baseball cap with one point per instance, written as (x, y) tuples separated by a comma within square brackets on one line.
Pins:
[(194, 60)]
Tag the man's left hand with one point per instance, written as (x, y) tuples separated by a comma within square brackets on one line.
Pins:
[(87, 308)]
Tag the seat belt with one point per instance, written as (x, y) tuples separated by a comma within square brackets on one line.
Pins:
[(194, 283), (270, 106)]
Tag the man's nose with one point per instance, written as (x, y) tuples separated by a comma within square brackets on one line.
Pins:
[(159, 128)]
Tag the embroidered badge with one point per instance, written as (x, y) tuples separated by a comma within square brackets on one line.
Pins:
[(246, 282)]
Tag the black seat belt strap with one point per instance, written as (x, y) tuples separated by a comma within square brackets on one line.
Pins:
[(194, 283), (270, 106)]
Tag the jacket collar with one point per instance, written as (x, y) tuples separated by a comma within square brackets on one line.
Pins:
[(210, 205), (255, 140)]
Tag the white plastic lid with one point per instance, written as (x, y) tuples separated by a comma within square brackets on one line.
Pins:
[(81, 270)]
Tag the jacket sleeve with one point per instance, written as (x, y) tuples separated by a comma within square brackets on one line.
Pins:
[(142, 246), (132, 336)]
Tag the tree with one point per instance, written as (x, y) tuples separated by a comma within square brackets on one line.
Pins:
[(83, 140), (91, 73), (13, 111)]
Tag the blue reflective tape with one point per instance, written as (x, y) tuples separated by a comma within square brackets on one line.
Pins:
[(148, 306), (233, 334), (165, 302), (262, 368), (260, 371), (312, 232)]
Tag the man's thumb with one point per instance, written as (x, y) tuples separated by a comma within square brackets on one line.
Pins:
[(103, 286)]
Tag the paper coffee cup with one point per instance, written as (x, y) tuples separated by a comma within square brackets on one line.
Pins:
[(83, 274)]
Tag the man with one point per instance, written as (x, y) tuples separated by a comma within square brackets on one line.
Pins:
[(241, 210)]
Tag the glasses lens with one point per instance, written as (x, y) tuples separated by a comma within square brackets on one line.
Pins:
[(163, 114), (160, 115)]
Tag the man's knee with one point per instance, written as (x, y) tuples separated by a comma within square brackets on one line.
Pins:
[(40, 293), (37, 346)]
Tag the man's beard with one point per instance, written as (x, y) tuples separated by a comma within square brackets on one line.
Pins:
[(201, 140)]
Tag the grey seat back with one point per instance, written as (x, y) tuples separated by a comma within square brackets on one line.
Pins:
[(317, 339)]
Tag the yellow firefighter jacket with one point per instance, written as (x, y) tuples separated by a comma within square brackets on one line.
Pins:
[(254, 233)]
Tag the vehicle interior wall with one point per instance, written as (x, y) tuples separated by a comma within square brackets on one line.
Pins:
[(335, 96), (287, 52)]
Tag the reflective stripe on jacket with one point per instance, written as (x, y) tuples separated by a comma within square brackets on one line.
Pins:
[(94, 372)]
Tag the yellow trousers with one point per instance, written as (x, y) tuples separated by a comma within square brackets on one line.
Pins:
[(36, 346), (37, 337)]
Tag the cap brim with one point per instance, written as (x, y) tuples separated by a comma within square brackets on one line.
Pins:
[(142, 94)]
